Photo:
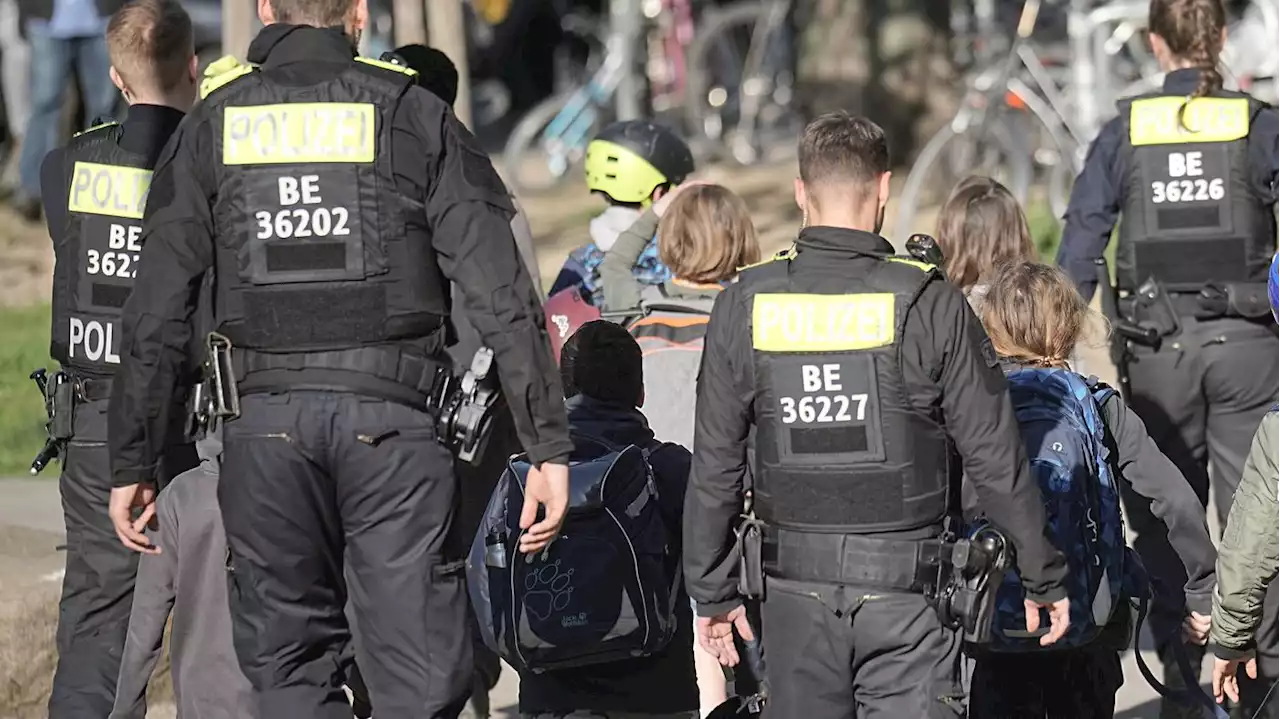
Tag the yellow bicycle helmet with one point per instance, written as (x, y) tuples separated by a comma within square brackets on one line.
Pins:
[(629, 160)]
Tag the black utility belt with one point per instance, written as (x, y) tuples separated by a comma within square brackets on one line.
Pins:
[(850, 559), (385, 373)]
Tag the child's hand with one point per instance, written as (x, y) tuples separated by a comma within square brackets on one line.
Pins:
[(1195, 629), (660, 207)]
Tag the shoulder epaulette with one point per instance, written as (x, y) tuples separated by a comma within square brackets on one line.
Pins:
[(95, 128), (787, 254), (221, 72), (922, 266), (389, 66)]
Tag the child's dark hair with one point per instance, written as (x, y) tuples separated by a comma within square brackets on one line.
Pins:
[(603, 361), (1193, 31)]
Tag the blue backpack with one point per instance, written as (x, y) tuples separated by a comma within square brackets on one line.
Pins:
[(1060, 415), (605, 590)]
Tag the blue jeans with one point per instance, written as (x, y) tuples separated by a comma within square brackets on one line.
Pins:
[(52, 62)]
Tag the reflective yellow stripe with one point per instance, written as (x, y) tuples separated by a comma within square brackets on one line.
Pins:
[(298, 133), (922, 266), (388, 66), (95, 128), (787, 254), (221, 72), (1154, 121), (109, 190), (821, 323)]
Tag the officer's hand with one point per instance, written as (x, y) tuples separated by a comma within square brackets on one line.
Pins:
[(1195, 629), (715, 634), (123, 501), (1059, 619), (548, 486), (1224, 677), (663, 202)]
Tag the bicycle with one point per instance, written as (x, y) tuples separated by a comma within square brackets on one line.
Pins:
[(1026, 122), (556, 131), (1033, 127), (741, 98)]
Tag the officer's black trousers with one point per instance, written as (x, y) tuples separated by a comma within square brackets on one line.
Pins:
[(839, 653), (97, 590), (1201, 396), (306, 478)]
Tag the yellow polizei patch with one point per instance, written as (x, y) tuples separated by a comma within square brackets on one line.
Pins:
[(109, 190), (1154, 121), (298, 133), (821, 323)]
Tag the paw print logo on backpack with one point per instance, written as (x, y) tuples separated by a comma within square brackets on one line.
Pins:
[(548, 590)]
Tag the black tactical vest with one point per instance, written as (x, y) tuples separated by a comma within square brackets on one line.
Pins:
[(96, 256), (317, 249), (839, 448), (1190, 216)]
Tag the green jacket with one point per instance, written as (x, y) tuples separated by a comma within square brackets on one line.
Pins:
[(1250, 554)]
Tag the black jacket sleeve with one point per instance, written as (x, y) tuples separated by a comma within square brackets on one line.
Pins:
[(53, 191), (1094, 209), (177, 237), (469, 213), (1264, 154), (714, 499), (980, 420), (1145, 469)]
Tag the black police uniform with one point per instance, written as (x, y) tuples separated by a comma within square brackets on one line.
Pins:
[(94, 192), (1198, 210), (847, 364), (332, 198)]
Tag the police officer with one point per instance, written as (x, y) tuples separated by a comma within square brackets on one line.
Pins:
[(94, 190), (332, 197), (846, 363), (1192, 171)]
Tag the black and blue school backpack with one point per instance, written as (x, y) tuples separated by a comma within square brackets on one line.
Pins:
[(603, 591), (1060, 416)]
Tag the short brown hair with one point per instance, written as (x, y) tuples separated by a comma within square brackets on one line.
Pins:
[(320, 13), (1034, 314), (841, 147), (706, 235), (981, 226), (151, 43)]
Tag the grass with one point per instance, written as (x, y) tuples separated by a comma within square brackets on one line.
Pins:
[(24, 346)]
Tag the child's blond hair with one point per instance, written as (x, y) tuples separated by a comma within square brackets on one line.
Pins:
[(1034, 315), (706, 235)]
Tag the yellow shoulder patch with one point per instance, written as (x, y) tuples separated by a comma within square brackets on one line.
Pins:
[(822, 323), (388, 66), (95, 128), (922, 266), (1154, 120), (221, 72), (787, 254)]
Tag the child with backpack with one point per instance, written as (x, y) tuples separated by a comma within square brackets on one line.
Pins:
[(1086, 447), (630, 164), (705, 235), (598, 624)]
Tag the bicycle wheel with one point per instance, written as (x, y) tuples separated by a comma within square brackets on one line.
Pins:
[(715, 88), (1001, 152), (535, 160)]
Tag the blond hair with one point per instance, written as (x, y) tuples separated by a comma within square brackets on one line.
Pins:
[(980, 227), (151, 43), (706, 235), (1034, 315)]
